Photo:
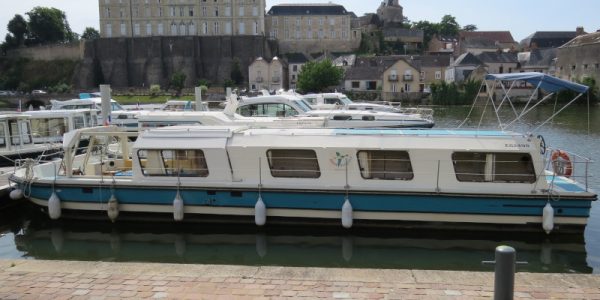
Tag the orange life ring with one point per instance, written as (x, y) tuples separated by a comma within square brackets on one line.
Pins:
[(561, 163)]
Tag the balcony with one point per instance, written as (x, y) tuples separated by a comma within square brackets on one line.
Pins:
[(393, 77), (408, 77), (259, 79), (275, 79)]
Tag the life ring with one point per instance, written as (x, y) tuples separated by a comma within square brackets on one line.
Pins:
[(561, 163)]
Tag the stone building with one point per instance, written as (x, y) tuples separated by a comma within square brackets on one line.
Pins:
[(268, 75), (579, 58), (401, 77), (143, 18), (460, 69), (500, 62), (390, 12), (295, 63), (311, 28), (433, 69), (484, 41), (549, 39)]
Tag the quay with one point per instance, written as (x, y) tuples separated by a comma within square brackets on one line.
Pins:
[(39, 279)]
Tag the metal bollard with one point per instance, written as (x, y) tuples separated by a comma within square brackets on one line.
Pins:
[(504, 274)]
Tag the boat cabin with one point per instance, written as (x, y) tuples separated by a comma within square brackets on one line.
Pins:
[(15, 133)]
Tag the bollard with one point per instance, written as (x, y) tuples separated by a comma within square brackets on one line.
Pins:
[(504, 278), (504, 274)]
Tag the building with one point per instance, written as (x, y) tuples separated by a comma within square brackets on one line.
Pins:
[(142, 18), (268, 75), (442, 45), (462, 67), (539, 60), (549, 39), (579, 58), (433, 69), (311, 28), (295, 63), (367, 73), (401, 78), (484, 41), (390, 12), (500, 62)]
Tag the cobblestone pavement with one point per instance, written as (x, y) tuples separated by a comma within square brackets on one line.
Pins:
[(37, 279)]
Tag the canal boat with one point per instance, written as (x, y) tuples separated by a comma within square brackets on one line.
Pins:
[(119, 116), (349, 177), (17, 141)]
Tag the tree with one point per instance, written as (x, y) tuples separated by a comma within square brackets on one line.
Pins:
[(448, 26), (316, 76), (17, 26), (429, 30), (49, 25), (90, 33), (177, 81), (469, 27), (236, 72)]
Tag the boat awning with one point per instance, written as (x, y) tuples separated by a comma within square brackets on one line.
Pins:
[(546, 82)]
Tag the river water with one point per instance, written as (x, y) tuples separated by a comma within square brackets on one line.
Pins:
[(26, 234)]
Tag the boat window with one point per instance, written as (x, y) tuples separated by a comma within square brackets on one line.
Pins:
[(2, 136), (78, 122), (345, 101), (293, 163), (267, 110), (342, 117), (332, 101), (303, 105), (310, 100), (173, 163), (115, 106), (16, 133), (386, 165), (48, 127), (493, 167)]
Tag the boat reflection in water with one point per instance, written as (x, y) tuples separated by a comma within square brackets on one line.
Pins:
[(293, 247)]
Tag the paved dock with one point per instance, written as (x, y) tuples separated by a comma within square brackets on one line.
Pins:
[(38, 279)]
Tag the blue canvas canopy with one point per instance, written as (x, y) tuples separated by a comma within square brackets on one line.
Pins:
[(548, 83)]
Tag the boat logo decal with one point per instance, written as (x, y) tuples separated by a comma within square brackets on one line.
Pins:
[(340, 160)]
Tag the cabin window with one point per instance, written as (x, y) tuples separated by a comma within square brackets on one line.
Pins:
[(333, 101), (386, 165), (493, 167), (78, 122), (48, 127), (2, 136), (19, 132), (293, 163), (267, 110), (173, 163)]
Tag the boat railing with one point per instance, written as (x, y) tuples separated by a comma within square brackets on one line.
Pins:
[(571, 165)]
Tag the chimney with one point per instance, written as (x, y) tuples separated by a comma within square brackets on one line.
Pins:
[(579, 31)]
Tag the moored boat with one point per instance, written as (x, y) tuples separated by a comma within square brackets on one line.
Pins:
[(342, 176)]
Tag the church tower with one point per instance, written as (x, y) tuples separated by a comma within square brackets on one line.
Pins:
[(390, 12)]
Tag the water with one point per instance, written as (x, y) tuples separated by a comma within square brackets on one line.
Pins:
[(29, 235)]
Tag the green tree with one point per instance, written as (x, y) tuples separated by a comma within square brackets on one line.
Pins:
[(429, 30), (448, 26), (317, 76), (469, 27), (17, 26), (236, 72), (90, 33), (49, 25), (178, 81)]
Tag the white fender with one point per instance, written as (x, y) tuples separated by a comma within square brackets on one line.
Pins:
[(16, 194), (548, 218), (347, 218), (54, 207), (260, 212), (178, 208), (113, 208)]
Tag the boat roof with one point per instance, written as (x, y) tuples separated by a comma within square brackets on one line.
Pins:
[(545, 81)]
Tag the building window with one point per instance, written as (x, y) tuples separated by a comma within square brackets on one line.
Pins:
[(227, 27), (493, 167), (136, 29), (205, 28), (355, 84), (585, 66), (255, 28), (573, 67), (204, 11), (371, 85), (407, 87), (386, 165), (192, 28), (107, 12), (309, 35), (255, 11), (216, 28), (242, 28), (191, 11), (161, 29), (172, 8), (160, 12), (148, 12), (438, 75), (228, 11), (293, 163), (332, 21), (173, 29), (108, 28), (216, 11), (295, 68), (121, 13), (173, 163), (123, 29), (148, 29), (241, 11), (309, 21)]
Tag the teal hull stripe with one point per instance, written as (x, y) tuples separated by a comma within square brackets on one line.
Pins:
[(325, 201)]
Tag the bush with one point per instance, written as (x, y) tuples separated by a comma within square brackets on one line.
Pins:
[(453, 94), (204, 82), (154, 90), (61, 88)]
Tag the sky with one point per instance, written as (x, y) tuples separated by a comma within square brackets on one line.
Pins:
[(520, 17)]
